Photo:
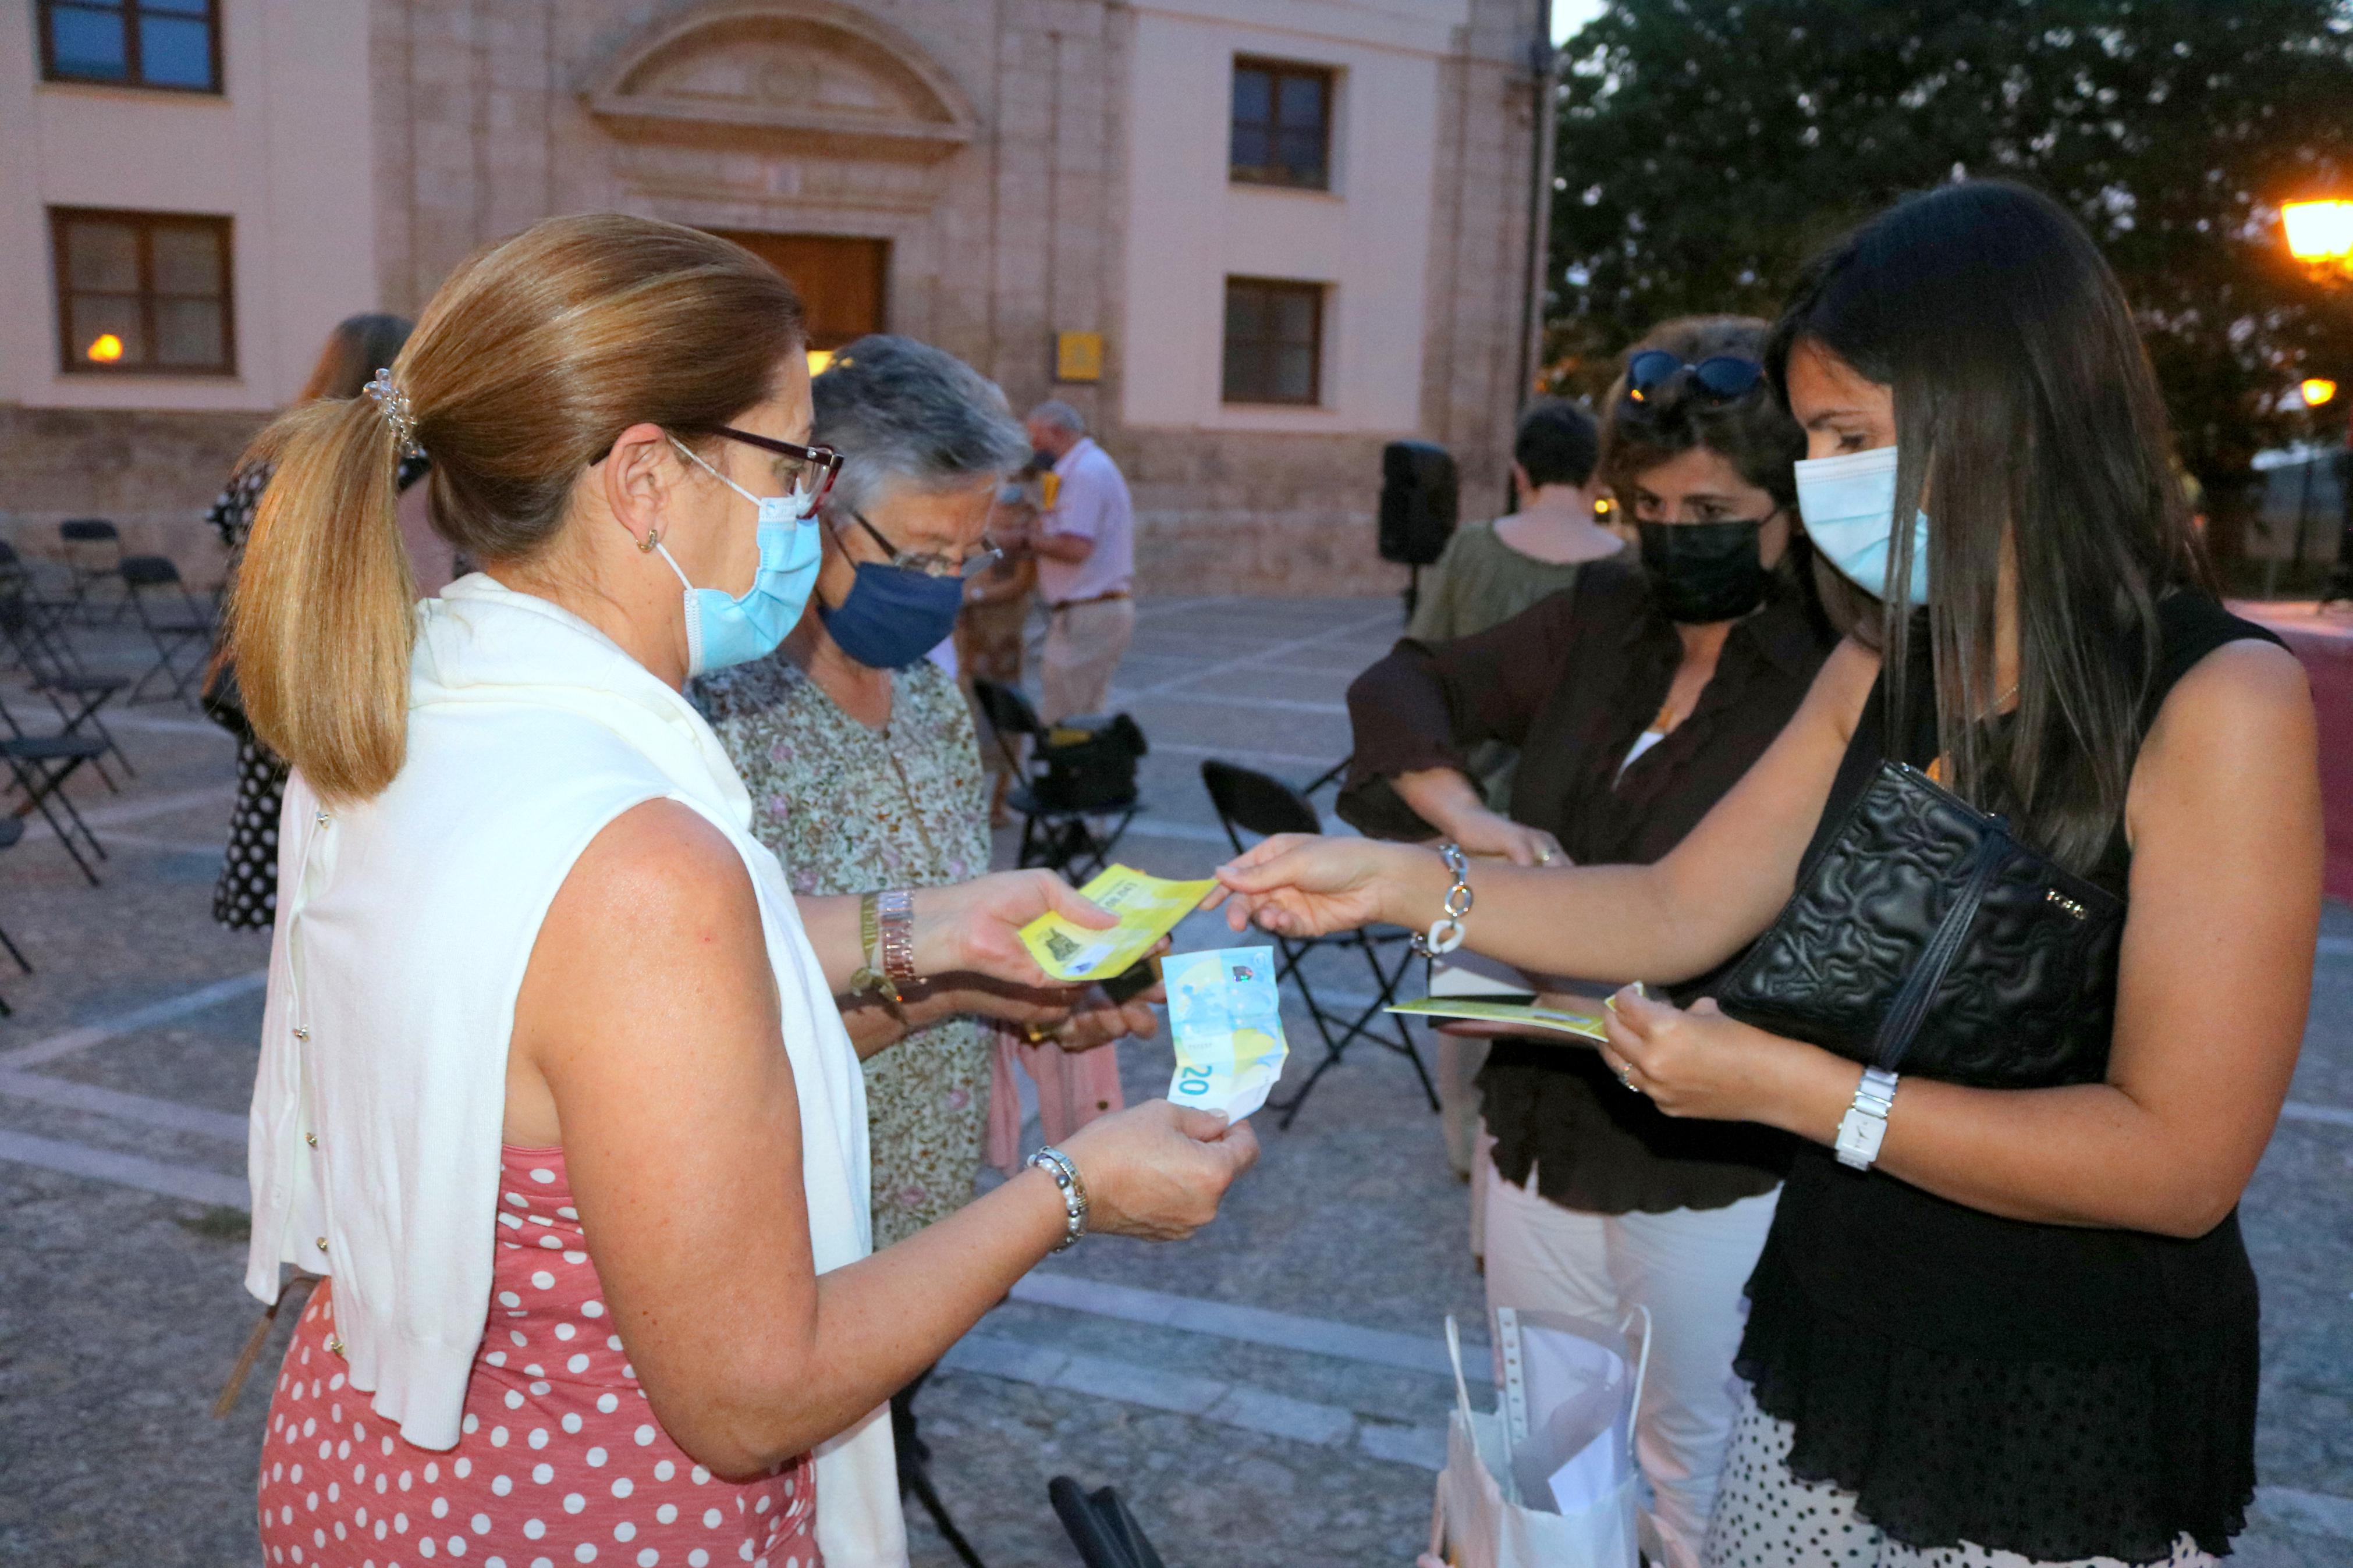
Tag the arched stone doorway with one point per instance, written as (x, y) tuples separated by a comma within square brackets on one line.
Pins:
[(811, 133)]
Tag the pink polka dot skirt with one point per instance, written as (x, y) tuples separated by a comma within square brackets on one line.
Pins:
[(561, 1462)]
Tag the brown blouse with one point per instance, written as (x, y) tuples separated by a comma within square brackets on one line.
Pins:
[(1573, 682)]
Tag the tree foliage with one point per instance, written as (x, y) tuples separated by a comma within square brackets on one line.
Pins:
[(1707, 147)]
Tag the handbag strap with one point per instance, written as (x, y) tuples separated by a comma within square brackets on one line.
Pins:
[(1909, 1009)]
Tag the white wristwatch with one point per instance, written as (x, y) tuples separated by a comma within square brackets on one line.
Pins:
[(1864, 1125)]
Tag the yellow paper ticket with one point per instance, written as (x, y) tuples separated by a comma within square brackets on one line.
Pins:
[(1148, 909), (1521, 1015)]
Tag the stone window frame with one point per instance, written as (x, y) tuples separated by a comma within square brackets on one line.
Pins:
[(70, 360), (131, 13), (1274, 172), (1259, 391)]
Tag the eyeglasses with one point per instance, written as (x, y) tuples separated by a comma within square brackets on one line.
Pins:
[(1721, 378), (934, 565), (798, 467)]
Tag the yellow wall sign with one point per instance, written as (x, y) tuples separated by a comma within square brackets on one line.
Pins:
[(1078, 356)]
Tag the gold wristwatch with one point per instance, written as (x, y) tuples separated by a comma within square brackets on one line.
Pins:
[(886, 938)]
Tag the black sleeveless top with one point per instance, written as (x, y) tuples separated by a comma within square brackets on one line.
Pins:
[(2049, 1390)]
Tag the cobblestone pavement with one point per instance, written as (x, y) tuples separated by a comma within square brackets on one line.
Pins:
[(1273, 1393)]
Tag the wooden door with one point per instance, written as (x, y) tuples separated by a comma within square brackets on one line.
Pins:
[(844, 280)]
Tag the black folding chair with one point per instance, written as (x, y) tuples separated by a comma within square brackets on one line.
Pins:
[(1248, 801), (1072, 840), (94, 553), (47, 657), (43, 588), (1101, 1526), (175, 621), (12, 833), (40, 765)]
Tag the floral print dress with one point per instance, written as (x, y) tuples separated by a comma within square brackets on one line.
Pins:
[(850, 809)]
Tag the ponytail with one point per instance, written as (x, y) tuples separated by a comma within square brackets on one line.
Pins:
[(528, 362), (321, 620)]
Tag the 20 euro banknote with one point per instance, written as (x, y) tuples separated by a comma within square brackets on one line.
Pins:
[(1226, 1015)]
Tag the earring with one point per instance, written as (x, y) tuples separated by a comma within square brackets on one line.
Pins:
[(646, 546)]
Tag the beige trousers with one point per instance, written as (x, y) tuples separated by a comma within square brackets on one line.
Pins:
[(1084, 644)]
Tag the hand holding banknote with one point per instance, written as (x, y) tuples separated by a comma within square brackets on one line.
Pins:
[(977, 926), (1157, 1171)]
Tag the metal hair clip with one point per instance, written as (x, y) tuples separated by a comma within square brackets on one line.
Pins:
[(393, 404)]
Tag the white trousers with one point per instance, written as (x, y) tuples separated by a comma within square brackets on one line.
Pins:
[(1688, 1267)]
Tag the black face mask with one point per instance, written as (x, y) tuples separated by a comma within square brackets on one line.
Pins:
[(1705, 572)]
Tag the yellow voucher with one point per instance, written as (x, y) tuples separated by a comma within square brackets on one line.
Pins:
[(1520, 1014), (1148, 909)]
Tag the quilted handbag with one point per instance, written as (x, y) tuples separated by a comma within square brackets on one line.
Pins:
[(1924, 938)]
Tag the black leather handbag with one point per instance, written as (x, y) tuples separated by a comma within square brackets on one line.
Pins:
[(1924, 939)]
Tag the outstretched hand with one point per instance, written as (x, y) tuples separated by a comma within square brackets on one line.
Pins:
[(1300, 885)]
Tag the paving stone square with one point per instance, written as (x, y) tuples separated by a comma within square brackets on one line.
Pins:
[(1273, 1393)]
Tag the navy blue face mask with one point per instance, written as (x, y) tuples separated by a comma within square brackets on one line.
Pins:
[(894, 615)]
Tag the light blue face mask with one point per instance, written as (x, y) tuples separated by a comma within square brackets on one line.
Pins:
[(1849, 505), (722, 629)]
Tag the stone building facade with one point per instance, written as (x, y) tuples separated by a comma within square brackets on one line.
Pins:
[(1006, 178)]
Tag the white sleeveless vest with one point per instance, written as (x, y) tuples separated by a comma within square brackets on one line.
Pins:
[(403, 927)]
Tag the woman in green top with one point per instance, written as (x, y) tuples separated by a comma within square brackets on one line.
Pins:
[(1491, 572)]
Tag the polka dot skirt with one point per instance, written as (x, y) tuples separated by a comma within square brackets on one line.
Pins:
[(1767, 1518), (245, 897), (560, 1461)]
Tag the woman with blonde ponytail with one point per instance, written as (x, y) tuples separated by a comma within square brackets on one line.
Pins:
[(554, 1089)]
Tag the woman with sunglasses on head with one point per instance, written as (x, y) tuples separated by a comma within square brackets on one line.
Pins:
[(2010, 1320), (1636, 699), (554, 1089)]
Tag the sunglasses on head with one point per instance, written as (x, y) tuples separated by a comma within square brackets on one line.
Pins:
[(1721, 378)]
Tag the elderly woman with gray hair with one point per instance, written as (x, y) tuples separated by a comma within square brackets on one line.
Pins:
[(859, 755)]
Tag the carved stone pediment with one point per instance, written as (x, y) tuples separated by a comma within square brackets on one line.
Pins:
[(807, 73)]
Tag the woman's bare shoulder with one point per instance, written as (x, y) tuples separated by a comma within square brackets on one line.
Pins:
[(660, 861)]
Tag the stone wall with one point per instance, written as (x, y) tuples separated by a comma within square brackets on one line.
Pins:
[(151, 475), (485, 123), (1232, 512)]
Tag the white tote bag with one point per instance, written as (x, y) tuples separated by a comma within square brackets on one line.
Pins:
[(1482, 1519)]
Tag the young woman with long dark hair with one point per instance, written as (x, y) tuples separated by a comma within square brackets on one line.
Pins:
[(1635, 699), (2027, 1333)]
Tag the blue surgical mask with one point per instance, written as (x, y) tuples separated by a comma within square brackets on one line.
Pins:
[(722, 629), (1849, 505), (894, 615)]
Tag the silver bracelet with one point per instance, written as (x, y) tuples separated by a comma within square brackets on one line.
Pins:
[(1057, 1164), (1445, 933)]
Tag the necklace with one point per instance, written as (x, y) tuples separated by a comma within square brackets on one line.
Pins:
[(907, 792)]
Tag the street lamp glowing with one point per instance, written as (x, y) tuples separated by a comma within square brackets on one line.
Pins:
[(2320, 231), (105, 348), (2316, 391)]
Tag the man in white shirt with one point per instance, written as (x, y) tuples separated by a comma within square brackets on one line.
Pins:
[(1085, 545)]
